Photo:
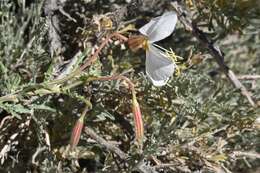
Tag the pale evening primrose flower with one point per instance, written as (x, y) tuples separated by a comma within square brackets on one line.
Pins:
[(159, 66)]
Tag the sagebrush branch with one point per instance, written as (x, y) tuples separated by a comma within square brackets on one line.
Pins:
[(106, 144), (213, 49)]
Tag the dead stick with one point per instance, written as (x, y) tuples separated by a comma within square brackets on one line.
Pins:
[(214, 51), (106, 144)]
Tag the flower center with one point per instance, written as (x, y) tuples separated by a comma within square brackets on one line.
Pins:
[(138, 42)]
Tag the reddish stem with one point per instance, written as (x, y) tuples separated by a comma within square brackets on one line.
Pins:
[(94, 57)]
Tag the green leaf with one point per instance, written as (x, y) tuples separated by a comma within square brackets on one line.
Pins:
[(21, 109), (42, 107), (219, 158)]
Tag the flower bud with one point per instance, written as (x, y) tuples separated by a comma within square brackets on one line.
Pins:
[(139, 129), (75, 136)]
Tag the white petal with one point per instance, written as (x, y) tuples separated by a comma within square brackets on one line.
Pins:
[(160, 27), (159, 68)]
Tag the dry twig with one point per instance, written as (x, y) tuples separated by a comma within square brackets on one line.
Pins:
[(249, 77), (106, 144), (213, 49), (252, 155)]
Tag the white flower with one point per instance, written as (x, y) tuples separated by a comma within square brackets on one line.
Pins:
[(159, 67)]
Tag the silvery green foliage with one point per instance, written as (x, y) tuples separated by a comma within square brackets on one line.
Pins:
[(197, 122)]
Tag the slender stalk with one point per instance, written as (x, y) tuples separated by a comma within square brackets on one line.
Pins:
[(94, 57), (139, 129), (89, 60), (14, 96), (117, 77)]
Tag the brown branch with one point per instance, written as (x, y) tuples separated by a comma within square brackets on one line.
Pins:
[(4, 119), (106, 144), (214, 51)]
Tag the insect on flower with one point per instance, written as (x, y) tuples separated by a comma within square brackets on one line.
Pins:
[(159, 66)]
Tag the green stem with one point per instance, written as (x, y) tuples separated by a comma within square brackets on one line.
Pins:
[(14, 96), (89, 60)]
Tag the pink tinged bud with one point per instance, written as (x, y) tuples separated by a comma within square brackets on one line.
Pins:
[(75, 136), (139, 128)]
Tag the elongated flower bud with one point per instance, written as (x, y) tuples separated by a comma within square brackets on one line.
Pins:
[(75, 136), (139, 128)]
